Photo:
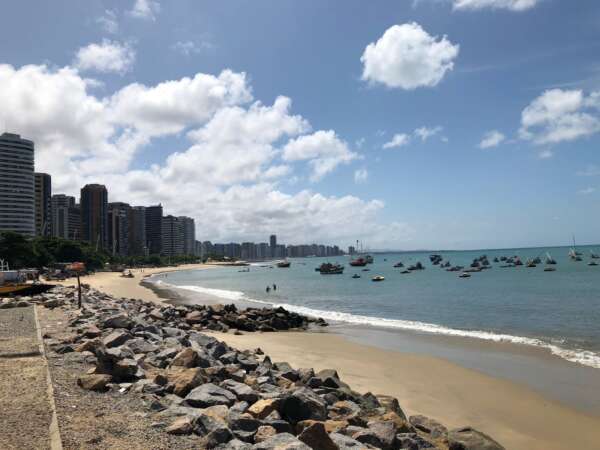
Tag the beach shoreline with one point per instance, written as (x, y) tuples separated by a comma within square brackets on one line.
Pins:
[(517, 416)]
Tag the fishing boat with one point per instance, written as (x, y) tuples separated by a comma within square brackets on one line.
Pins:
[(417, 266), (127, 274), (331, 269), (592, 263), (550, 260), (464, 275), (530, 263), (549, 269), (358, 262), (369, 259), (517, 261), (378, 278), (398, 265), (594, 255), (573, 253), (284, 264), (356, 275), (17, 282)]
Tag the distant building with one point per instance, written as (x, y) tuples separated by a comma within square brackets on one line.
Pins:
[(154, 215), (206, 249), (66, 217), (17, 199), (248, 251), (263, 251), (233, 250), (351, 250), (273, 245), (43, 205), (94, 215), (118, 228), (137, 231), (172, 236), (189, 235)]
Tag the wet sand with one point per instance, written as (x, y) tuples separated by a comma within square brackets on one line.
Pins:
[(516, 415)]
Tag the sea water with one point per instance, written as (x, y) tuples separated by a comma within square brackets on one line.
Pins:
[(559, 311)]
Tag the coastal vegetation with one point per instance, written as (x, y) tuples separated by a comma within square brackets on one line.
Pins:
[(21, 252)]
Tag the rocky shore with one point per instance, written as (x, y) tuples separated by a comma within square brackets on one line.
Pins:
[(195, 385)]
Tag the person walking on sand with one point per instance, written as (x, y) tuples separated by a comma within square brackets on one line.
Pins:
[(268, 289)]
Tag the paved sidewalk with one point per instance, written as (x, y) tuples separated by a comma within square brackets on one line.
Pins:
[(26, 413)]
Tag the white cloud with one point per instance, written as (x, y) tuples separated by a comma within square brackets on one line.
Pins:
[(107, 56), (361, 176), (425, 133), (188, 48), (398, 140), (590, 171), (109, 21), (559, 116), (587, 191), (407, 57), (170, 106), (545, 154), (512, 5), (324, 150), (145, 9), (231, 174), (492, 139)]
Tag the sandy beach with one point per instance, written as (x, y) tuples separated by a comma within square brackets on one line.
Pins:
[(113, 283), (518, 417)]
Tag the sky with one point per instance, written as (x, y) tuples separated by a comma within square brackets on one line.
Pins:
[(438, 124)]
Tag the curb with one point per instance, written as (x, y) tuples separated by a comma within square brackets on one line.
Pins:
[(54, 430)]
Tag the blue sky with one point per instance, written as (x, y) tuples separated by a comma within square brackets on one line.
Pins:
[(101, 86)]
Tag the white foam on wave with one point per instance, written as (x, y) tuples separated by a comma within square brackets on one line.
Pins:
[(584, 357)]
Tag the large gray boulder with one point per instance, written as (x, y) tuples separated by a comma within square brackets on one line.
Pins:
[(427, 425), (303, 404), (209, 394), (241, 390), (282, 441), (468, 438)]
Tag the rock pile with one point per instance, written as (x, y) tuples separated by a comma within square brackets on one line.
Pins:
[(230, 399)]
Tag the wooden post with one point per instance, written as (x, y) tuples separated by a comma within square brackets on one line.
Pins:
[(78, 291)]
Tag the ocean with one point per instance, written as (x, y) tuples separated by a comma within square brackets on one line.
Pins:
[(557, 311)]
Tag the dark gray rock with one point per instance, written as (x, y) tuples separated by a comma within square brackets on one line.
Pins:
[(303, 404), (317, 438), (242, 391), (282, 441), (428, 425), (412, 441), (116, 338), (209, 395), (470, 439)]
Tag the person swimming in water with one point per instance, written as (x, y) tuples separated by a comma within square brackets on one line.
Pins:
[(268, 289), (274, 287)]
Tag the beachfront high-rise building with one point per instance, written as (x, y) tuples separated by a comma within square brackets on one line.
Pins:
[(137, 231), (154, 216), (66, 217), (94, 215), (172, 236), (17, 192), (189, 235), (273, 245), (118, 228), (43, 205)]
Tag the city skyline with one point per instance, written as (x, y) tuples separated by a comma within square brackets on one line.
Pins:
[(477, 129)]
